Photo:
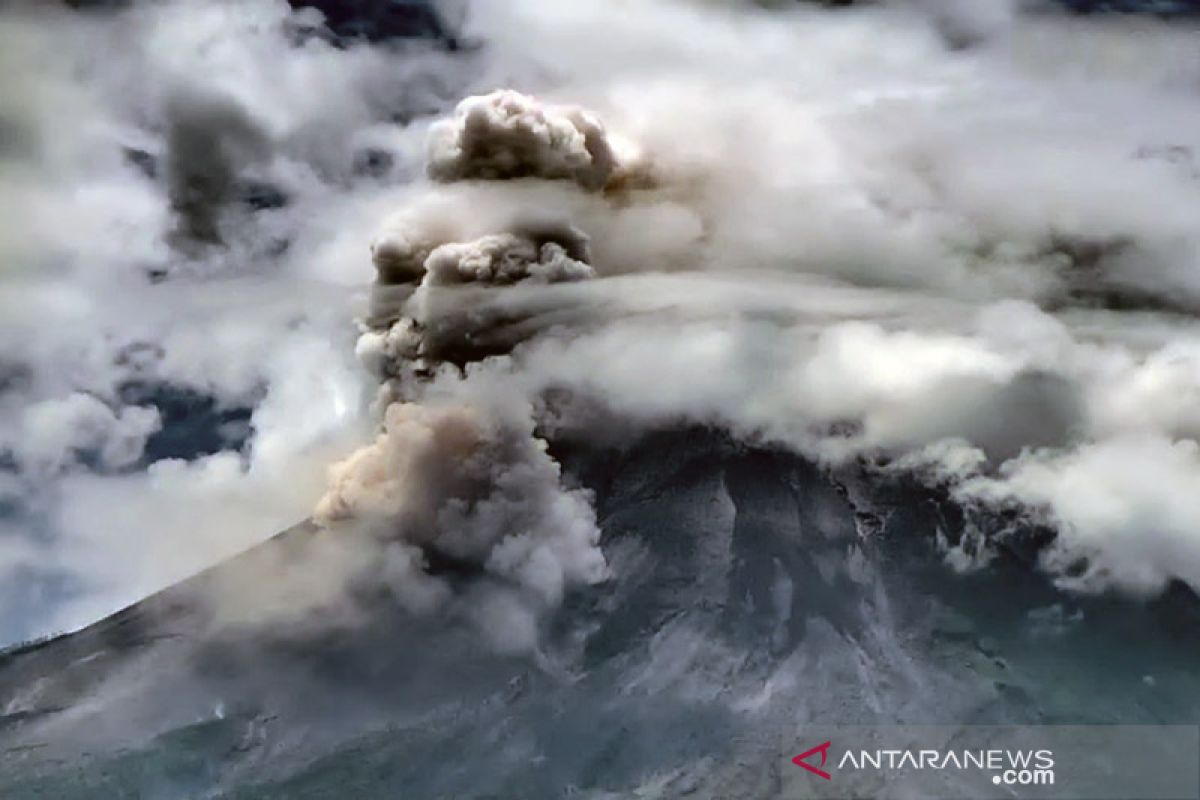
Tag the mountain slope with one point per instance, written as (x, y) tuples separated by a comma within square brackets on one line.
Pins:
[(752, 592)]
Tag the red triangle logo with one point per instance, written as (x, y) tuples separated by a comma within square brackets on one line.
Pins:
[(801, 760)]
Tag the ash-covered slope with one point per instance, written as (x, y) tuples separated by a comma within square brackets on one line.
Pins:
[(750, 592)]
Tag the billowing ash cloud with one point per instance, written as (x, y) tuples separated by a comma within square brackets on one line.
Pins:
[(503, 259), (507, 135), (545, 252), (465, 486), (469, 483)]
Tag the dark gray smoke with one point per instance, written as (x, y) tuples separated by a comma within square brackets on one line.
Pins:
[(210, 140)]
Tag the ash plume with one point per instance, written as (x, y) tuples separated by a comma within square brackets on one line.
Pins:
[(503, 259), (467, 485), (506, 135), (470, 483)]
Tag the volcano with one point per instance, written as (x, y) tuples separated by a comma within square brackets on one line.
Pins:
[(752, 591)]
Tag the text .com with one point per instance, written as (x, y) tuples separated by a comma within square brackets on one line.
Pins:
[(1024, 777)]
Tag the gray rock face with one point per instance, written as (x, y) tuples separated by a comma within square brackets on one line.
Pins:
[(751, 592)]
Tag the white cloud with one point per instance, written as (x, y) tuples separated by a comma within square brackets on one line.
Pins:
[(829, 230), (1125, 511)]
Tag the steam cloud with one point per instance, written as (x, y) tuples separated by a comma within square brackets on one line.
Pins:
[(966, 252)]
